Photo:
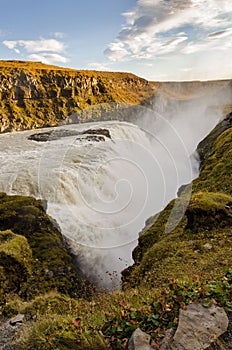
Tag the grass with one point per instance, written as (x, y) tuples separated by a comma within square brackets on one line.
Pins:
[(108, 321)]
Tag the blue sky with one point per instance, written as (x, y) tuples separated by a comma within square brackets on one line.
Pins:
[(155, 39)]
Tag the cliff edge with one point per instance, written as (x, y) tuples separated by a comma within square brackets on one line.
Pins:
[(34, 95)]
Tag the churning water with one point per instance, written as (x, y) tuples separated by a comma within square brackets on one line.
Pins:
[(101, 193)]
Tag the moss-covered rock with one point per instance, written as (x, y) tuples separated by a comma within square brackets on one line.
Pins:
[(52, 302), (15, 262), (208, 210), (204, 148), (51, 266)]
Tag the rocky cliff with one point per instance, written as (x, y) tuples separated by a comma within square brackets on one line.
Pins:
[(34, 95)]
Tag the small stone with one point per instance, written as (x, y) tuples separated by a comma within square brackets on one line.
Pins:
[(49, 272), (17, 319), (207, 246), (139, 341)]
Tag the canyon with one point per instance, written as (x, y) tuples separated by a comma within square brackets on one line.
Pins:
[(128, 165)]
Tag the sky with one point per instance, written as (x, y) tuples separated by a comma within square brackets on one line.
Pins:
[(159, 40)]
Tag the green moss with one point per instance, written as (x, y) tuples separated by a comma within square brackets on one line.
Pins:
[(16, 246), (210, 201), (15, 262), (208, 210), (215, 173), (51, 266), (44, 304)]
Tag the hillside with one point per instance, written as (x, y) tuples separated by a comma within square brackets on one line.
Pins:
[(35, 95)]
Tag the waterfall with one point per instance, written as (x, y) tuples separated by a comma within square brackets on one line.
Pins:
[(101, 193)]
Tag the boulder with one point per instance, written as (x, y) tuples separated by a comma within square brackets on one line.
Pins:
[(199, 327)]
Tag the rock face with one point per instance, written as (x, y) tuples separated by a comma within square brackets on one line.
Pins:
[(35, 95), (139, 341), (199, 327), (225, 340), (89, 135), (168, 339), (8, 334)]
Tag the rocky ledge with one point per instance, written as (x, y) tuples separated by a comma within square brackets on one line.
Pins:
[(95, 135)]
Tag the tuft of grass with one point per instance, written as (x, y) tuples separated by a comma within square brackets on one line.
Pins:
[(15, 262)]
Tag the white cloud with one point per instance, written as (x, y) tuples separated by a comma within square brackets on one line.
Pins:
[(220, 34), (116, 51), (45, 50), (59, 35), (51, 45), (48, 58), (216, 41), (151, 27), (10, 44)]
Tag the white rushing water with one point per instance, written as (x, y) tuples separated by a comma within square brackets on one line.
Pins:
[(101, 193)]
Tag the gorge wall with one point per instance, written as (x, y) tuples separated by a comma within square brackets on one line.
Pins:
[(35, 95)]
